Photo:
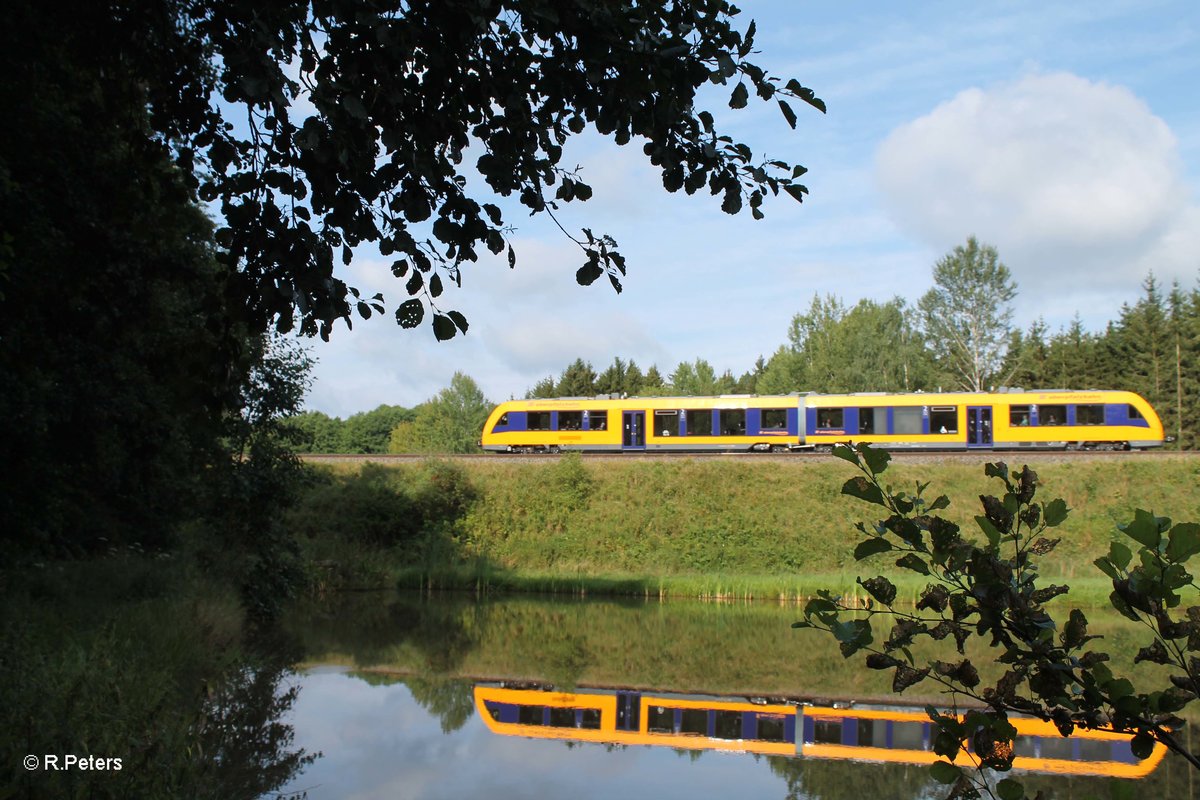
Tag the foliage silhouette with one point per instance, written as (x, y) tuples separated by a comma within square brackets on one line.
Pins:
[(989, 588)]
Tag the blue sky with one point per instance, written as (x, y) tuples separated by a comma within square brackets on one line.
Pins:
[(1067, 135)]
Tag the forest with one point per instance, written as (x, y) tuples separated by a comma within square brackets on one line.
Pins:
[(1152, 348)]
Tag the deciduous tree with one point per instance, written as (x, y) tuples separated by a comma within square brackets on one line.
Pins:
[(967, 314)]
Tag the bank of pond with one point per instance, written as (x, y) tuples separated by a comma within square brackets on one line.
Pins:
[(686, 527)]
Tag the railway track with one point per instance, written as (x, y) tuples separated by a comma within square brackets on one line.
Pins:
[(972, 457)]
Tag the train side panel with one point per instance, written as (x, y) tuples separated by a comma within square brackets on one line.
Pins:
[(1004, 420)]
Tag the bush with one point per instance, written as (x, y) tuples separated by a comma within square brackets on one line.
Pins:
[(368, 507), (442, 493)]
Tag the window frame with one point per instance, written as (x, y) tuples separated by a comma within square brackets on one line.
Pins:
[(834, 418)]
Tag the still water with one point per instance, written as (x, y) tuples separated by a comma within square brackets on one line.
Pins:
[(443, 697)]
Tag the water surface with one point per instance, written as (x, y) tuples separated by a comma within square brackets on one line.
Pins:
[(387, 695)]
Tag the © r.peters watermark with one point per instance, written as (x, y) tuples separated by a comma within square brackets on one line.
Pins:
[(69, 761)]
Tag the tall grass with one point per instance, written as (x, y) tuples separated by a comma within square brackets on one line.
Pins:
[(704, 528)]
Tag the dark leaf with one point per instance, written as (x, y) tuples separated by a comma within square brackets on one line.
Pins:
[(588, 273), (410, 313), (1049, 593), (1184, 541), (934, 598), (443, 327), (414, 282), (941, 502), (1055, 513), (739, 97), (1042, 546), (1155, 653), (870, 547), (913, 562), (788, 114), (863, 489), (880, 588), (1142, 745), (882, 661), (459, 320), (944, 772), (1144, 529), (1008, 789), (906, 676), (876, 460), (1075, 631)]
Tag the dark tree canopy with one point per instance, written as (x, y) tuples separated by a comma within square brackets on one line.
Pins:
[(316, 127)]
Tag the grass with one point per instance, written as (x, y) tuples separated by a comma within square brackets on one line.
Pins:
[(137, 658), (697, 527)]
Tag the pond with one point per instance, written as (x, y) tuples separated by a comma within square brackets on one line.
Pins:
[(415, 696)]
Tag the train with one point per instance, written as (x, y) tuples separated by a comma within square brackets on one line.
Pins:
[(777, 727), (1008, 419)]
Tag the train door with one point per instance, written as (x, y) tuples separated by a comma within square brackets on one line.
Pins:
[(979, 426), (634, 436)]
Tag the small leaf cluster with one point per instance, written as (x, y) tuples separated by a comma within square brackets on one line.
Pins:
[(987, 586)]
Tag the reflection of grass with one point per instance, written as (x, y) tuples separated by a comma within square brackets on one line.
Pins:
[(723, 528), (131, 657), (737, 648), (1085, 592)]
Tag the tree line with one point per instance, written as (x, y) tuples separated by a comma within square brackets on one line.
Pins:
[(448, 422), (958, 336)]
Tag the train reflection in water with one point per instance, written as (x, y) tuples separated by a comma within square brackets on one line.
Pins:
[(711, 723)]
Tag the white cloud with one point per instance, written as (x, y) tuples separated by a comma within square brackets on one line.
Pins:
[(1077, 183)]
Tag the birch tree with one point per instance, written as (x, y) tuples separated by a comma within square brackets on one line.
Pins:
[(968, 313)]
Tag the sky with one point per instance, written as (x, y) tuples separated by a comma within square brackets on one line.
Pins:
[(1066, 135)]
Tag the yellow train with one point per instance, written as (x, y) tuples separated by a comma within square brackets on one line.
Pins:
[(693, 722), (1011, 419)]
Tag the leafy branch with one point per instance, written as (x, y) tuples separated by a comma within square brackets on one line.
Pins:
[(989, 588)]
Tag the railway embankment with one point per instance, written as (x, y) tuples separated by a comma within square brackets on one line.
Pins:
[(696, 527)]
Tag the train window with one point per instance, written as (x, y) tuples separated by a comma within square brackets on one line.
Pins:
[(502, 422), (872, 733), (1089, 415), (733, 422), (908, 735), (661, 720), (872, 420), (1133, 412), (1095, 750), (597, 420), (908, 420), (827, 731), (590, 719), (1018, 416), (1052, 415), (1057, 747), (695, 721), (529, 715), (562, 717), (770, 728), (666, 423), (699, 423), (831, 418), (774, 419), (728, 725), (537, 421), (943, 419), (570, 420)]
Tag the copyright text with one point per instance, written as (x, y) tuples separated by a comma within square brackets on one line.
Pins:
[(70, 761)]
